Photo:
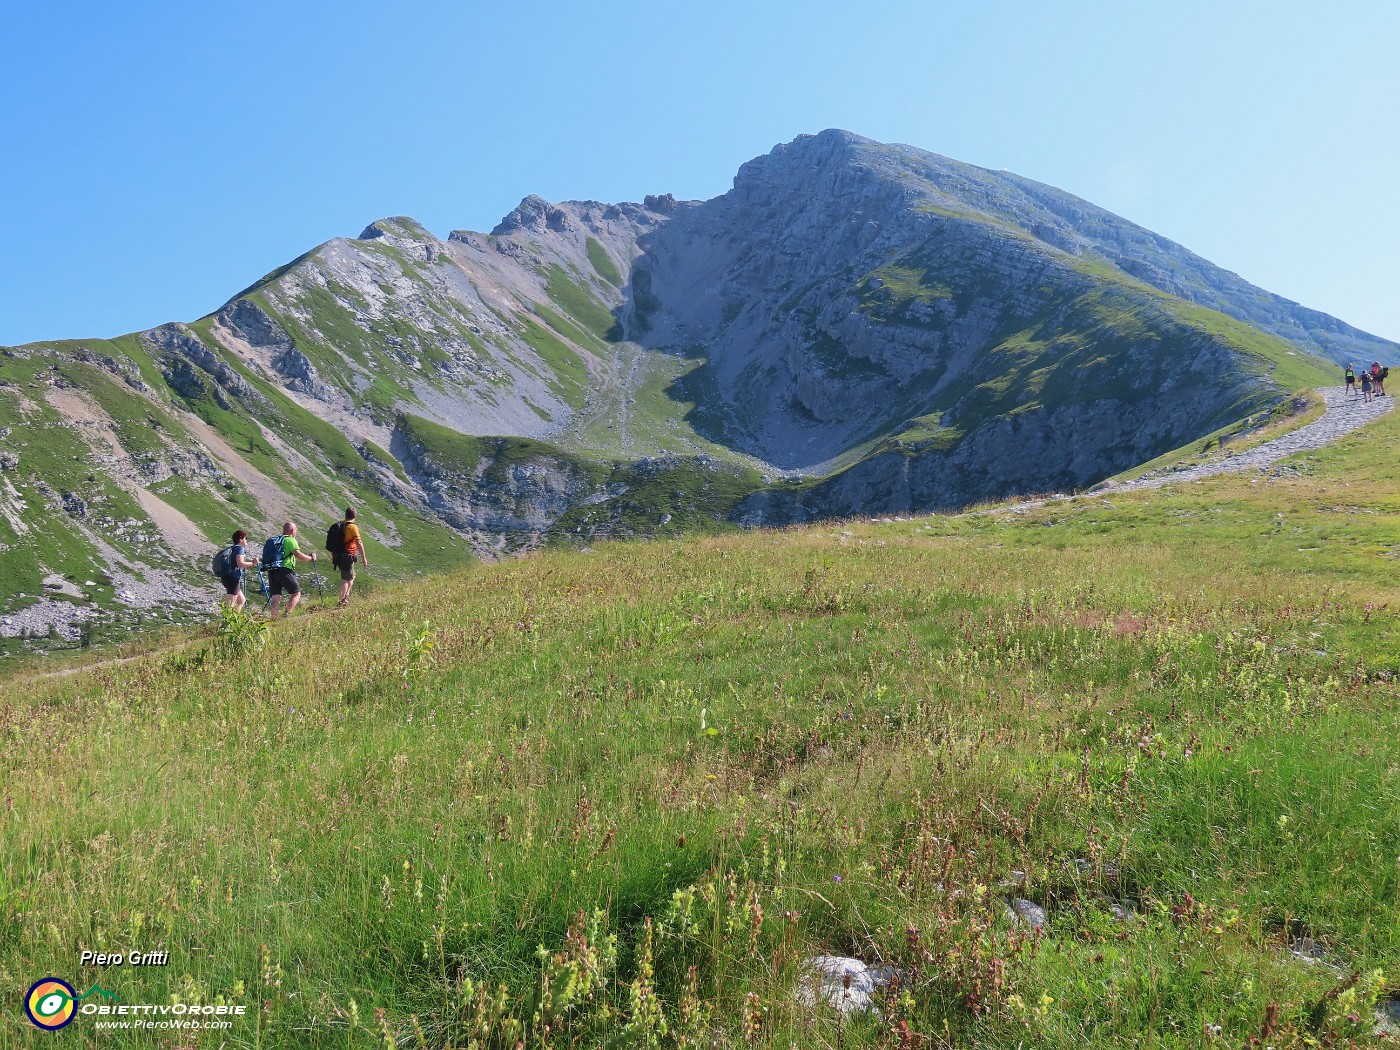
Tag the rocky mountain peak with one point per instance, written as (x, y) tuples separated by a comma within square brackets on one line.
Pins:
[(534, 213), (396, 228), (801, 157)]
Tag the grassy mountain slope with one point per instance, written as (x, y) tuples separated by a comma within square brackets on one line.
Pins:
[(616, 798), (116, 487), (1114, 243)]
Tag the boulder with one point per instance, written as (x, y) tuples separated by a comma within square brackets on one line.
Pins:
[(1027, 912), (845, 984)]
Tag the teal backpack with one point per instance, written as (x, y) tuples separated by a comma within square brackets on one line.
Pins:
[(273, 553)]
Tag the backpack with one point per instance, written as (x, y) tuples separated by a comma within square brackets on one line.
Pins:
[(335, 540), (273, 551), (1385, 371), (222, 564)]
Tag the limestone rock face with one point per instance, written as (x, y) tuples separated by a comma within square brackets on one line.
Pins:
[(536, 214), (193, 370), (500, 502), (253, 323)]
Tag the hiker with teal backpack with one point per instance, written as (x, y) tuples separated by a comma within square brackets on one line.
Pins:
[(279, 560), (228, 566)]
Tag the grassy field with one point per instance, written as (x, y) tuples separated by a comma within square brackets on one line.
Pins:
[(615, 798)]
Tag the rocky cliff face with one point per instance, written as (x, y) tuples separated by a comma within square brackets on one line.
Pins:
[(853, 328)]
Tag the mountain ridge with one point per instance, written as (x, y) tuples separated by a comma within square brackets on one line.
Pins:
[(851, 328)]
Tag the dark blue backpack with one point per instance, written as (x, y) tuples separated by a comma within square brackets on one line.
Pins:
[(273, 551), (223, 566)]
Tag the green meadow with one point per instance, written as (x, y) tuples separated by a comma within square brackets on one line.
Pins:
[(615, 797)]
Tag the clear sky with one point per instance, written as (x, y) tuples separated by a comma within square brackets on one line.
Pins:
[(159, 157)]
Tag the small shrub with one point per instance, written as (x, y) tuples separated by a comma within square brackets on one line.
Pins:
[(239, 634), (418, 656)]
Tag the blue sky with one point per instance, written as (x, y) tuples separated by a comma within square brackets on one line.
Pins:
[(159, 157)]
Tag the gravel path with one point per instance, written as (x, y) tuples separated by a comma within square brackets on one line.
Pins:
[(1343, 415)]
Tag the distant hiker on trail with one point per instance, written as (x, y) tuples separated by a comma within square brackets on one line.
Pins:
[(1351, 381), (1378, 375), (1365, 386), (229, 564), (280, 557), (345, 544)]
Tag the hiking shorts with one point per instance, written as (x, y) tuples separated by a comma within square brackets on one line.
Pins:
[(232, 584), (346, 564), (281, 581)]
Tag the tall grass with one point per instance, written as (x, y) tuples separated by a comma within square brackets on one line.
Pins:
[(617, 798)]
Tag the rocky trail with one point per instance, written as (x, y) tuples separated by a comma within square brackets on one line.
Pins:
[(1343, 415)]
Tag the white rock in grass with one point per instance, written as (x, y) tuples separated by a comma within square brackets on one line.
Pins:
[(1305, 949), (1388, 1017), (1028, 912), (847, 985)]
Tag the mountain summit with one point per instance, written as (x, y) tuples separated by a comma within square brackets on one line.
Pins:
[(852, 328)]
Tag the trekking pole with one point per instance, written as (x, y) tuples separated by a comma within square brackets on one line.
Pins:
[(262, 582)]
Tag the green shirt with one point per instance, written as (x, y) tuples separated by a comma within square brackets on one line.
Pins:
[(289, 549)]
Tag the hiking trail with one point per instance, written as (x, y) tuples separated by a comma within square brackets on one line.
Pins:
[(1341, 416)]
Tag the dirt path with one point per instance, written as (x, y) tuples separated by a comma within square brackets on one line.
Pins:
[(114, 662), (1343, 415), (629, 386)]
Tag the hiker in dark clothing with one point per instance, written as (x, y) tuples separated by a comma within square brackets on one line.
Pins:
[(238, 561), (1378, 375), (1351, 381), (1365, 386)]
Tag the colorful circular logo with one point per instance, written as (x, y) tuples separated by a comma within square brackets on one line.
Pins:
[(50, 1003)]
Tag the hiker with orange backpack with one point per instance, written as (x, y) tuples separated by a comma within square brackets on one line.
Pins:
[(345, 545)]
